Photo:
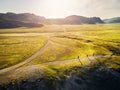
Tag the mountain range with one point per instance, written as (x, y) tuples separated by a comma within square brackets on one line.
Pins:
[(13, 20), (112, 20), (74, 19)]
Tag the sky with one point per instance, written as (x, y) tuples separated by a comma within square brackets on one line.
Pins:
[(63, 8)]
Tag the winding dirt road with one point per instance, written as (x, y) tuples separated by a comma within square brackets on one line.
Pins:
[(91, 58), (17, 66), (13, 68)]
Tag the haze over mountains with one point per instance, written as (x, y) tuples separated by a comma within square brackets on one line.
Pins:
[(12, 20), (112, 20)]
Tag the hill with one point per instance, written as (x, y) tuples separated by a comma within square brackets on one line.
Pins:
[(112, 20), (23, 17), (75, 20), (12, 20)]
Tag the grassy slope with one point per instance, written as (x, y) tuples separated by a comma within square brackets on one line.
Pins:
[(98, 75)]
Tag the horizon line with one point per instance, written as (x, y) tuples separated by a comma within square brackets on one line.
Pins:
[(56, 17)]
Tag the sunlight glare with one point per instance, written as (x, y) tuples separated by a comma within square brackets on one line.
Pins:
[(56, 8)]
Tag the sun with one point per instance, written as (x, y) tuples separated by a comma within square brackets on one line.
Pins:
[(56, 8)]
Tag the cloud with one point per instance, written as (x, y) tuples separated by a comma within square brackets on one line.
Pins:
[(102, 8)]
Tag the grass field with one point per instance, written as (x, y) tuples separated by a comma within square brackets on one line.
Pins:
[(15, 48), (82, 40), (98, 46), (66, 42)]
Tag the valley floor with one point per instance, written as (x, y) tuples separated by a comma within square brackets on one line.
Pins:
[(66, 57)]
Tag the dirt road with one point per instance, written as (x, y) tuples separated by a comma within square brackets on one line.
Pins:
[(12, 68)]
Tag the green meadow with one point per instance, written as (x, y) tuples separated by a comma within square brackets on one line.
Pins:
[(82, 40), (71, 49), (66, 42), (15, 48)]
